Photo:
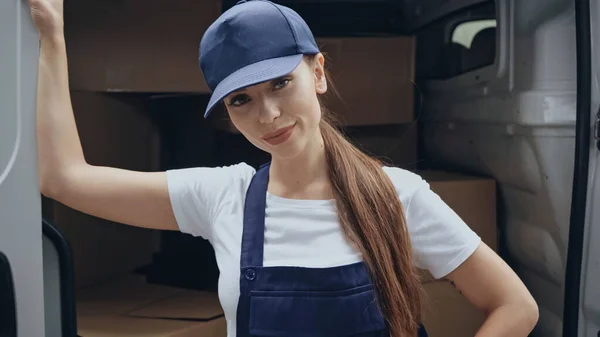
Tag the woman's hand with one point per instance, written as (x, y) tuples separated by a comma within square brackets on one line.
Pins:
[(48, 17)]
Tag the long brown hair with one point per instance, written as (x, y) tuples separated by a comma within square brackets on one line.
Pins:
[(372, 217)]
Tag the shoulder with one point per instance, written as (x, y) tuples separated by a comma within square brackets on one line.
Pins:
[(211, 184), (198, 194), (441, 240), (407, 183)]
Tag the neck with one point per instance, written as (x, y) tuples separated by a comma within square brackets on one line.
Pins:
[(303, 176)]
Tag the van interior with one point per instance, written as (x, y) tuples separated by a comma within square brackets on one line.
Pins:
[(477, 96)]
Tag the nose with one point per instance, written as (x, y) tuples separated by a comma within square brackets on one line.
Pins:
[(269, 111)]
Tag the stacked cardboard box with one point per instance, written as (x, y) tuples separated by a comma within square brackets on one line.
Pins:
[(374, 78)]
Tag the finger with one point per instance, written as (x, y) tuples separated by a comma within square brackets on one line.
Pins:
[(34, 3)]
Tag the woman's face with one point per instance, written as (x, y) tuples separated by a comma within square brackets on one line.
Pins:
[(281, 116)]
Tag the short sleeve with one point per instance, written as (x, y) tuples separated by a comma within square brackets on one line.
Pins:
[(441, 240), (196, 194)]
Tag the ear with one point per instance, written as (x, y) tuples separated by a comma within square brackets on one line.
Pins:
[(319, 74)]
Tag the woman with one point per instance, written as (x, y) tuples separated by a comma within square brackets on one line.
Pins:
[(344, 268)]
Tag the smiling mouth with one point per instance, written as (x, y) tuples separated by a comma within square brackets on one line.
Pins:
[(278, 132), (279, 136)]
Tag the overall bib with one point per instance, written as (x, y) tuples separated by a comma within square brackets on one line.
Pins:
[(299, 301)]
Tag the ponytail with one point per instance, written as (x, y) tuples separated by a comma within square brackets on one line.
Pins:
[(372, 217)]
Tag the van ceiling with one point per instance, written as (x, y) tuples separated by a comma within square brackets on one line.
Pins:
[(370, 17)]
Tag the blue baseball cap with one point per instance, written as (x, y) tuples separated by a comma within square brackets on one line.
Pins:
[(253, 42)]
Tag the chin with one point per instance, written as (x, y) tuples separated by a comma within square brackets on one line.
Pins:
[(288, 150), (297, 145)]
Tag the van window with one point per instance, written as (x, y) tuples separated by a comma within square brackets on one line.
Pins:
[(460, 43), (465, 32)]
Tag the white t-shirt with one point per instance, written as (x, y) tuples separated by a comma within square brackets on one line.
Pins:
[(209, 202)]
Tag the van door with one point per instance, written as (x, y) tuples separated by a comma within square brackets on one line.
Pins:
[(21, 282), (582, 282), (588, 322)]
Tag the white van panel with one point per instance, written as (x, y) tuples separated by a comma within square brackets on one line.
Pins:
[(20, 207), (515, 121), (590, 276)]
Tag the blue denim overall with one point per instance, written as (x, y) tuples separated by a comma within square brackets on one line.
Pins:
[(299, 301)]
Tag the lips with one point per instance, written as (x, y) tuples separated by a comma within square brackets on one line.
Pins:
[(277, 132), (279, 136)]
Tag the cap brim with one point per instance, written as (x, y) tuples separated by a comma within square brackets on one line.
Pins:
[(252, 74)]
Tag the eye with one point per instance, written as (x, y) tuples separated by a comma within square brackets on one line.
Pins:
[(239, 100), (282, 82)]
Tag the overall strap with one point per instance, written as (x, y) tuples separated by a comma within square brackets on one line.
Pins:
[(253, 236)]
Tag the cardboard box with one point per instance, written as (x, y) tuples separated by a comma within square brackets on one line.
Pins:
[(472, 198), (137, 45), (394, 144), (374, 77), (153, 46), (128, 306), (121, 295), (188, 305), (447, 313)]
